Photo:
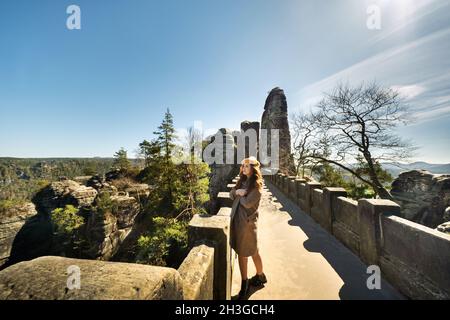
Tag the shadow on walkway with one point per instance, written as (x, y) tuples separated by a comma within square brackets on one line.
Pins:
[(251, 291)]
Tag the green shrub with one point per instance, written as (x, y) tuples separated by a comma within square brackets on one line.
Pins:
[(104, 204), (67, 227), (360, 191), (165, 244), (7, 205), (66, 220), (329, 176)]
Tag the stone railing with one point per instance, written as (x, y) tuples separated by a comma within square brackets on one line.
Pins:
[(412, 257), (205, 273)]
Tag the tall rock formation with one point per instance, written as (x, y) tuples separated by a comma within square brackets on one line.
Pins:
[(251, 150), (275, 116), (221, 173)]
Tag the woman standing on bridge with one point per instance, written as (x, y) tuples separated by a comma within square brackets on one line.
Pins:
[(246, 196)]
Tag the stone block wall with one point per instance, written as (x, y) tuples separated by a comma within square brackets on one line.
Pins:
[(417, 258)]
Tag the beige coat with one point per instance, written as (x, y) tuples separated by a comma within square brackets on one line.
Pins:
[(244, 218)]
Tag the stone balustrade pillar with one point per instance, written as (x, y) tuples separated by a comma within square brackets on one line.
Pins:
[(280, 180), (329, 199), (310, 186), (231, 186), (215, 231), (291, 192), (298, 181), (284, 187), (224, 199), (370, 231)]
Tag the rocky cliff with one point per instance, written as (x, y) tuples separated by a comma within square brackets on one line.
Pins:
[(61, 193), (222, 173), (27, 234), (423, 196), (10, 224)]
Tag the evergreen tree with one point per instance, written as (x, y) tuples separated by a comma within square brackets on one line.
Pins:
[(160, 170), (121, 161), (329, 176), (150, 151), (165, 139)]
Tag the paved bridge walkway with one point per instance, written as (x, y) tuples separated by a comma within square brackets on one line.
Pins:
[(302, 260)]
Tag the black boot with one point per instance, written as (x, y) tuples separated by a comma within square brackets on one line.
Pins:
[(244, 289), (258, 280)]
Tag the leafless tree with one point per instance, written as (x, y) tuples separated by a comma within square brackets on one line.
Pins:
[(194, 141), (303, 132), (358, 122)]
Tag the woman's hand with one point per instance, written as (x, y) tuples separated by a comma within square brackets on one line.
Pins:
[(241, 192)]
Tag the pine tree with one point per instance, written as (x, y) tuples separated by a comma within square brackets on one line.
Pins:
[(160, 171), (121, 161), (165, 137), (150, 151), (329, 176)]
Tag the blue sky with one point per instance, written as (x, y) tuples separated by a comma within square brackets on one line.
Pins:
[(88, 92)]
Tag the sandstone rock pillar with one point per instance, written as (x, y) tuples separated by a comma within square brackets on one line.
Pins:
[(275, 116)]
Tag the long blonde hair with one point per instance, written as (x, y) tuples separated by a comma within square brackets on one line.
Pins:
[(255, 180)]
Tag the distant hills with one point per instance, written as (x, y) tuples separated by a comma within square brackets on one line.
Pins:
[(395, 169), (21, 178)]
